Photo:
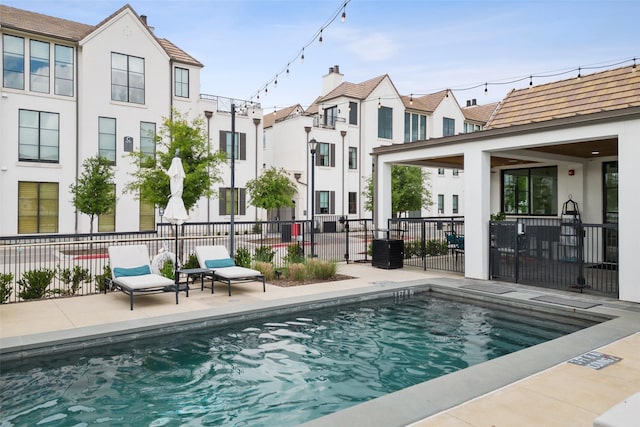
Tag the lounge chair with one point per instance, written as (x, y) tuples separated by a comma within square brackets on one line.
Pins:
[(131, 272), (223, 268)]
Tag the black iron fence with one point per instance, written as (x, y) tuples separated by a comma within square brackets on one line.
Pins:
[(77, 263), (555, 254), (432, 243)]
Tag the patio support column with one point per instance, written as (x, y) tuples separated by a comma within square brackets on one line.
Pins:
[(628, 208), (477, 177), (381, 192)]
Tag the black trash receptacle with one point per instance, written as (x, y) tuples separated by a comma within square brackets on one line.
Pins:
[(285, 233), (387, 252)]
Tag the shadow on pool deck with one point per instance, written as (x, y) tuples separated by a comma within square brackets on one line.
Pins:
[(529, 388)]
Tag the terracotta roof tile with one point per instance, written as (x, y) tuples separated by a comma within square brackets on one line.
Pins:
[(38, 23), (280, 115), (603, 91), (19, 19), (479, 113), (353, 90)]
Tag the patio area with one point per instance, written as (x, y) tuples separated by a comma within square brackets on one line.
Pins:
[(548, 393)]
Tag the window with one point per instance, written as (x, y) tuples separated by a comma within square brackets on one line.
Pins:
[(13, 62), (147, 139), (353, 202), (440, 203), (181, 82), (63, 74), (456, 172), (107, 138), (240, 145), (127, 78), (239, 201), (325, 202), (38, 136), (353, 158), (385, 122), (530, 191), (39, 64), (326, 155), (454, 204), (415, 127), (107, 221), (353, 113), (330, 116), (37, 207), (441, 171), (147, 217), (448, 126)]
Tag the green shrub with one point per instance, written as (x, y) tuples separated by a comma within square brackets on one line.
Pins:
[(266, 268), (74, 277), (317, 269), (499, 216), (167, 270), (436, 247), (264, 254), (34, 283), (294, 254), (192, 262), (257, 228), (6, 287), (412, 248), (296, 271), (242, 257), (103, 279)]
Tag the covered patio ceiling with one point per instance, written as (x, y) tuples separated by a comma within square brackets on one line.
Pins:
[(567, 152)]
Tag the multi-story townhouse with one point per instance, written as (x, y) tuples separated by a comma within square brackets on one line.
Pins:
[(71, 91), (348, 120)]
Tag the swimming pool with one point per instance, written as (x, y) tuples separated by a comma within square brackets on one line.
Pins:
[(282, 371)]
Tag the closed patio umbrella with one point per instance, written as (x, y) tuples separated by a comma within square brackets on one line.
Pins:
[(175, 211)]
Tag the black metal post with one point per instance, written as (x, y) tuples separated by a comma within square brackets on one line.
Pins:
[(233, 180), (312, 145)]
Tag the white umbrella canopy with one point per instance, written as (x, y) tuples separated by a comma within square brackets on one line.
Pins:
[(175, 211)]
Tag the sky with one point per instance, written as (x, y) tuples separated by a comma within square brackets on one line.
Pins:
[(423, 45)]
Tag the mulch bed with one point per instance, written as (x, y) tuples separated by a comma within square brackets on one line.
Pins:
[(285, 283)]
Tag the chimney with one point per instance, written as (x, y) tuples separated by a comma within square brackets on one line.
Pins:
[(332, 80), (144, 19), (468, 103), (473, 102)]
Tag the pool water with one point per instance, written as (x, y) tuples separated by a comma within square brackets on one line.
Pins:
[(281, 372)]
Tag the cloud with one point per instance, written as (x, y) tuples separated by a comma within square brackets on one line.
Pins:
[(373, 47)]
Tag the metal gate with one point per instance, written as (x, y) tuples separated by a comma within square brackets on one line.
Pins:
[(533, 251)]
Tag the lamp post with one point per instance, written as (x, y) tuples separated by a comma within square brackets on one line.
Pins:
[(233, 180), (208, 115), (312, 149)]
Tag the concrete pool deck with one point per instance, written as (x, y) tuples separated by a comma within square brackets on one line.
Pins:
[(533, 387)]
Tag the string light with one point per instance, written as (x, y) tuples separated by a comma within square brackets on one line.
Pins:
[(530, 81), (579, 75), (486, 90), (411, 99), (633, 69), (379, 104), (275, 82), (340, 11)]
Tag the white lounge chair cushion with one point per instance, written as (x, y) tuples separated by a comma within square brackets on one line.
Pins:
[(146, 281), (236, 272)]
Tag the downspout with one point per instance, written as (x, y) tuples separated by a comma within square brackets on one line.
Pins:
[(77, 88), (343, 133), (256, 122), (374, 213), (307, 129), (362, 156), (208, 115)]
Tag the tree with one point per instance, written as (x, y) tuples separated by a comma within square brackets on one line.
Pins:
[(201, 167), (409, 190), (273, 189), (94, 192)]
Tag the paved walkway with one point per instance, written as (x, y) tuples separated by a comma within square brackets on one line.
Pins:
[(563, 395)]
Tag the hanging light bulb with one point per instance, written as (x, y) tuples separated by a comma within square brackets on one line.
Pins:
[(379, 105), (287, 70), (275, 82), (302, 56), (530, 81), (579, 75), (411, 99), (486, 90), (266, 89), (344, 13), (274, 110), (320, 38), (633, 68)]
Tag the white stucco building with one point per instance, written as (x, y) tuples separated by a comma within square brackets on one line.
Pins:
[(71, 91)]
